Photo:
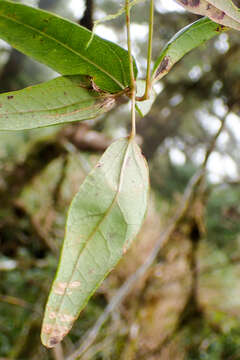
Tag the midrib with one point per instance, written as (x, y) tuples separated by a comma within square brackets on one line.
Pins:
[(65, 46), (97, 226)]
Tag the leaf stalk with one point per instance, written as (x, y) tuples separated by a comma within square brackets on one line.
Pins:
[(149, 58), (132, 77)]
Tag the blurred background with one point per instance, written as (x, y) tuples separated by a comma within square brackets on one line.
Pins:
[(187, 305)]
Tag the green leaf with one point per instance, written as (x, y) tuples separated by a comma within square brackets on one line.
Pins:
[(223, 11), (61, 45), (64, 99), (183, 42), (143, 107), (104, 218)]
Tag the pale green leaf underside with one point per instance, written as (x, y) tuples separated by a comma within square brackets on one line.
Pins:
[(61, 45), (143, 107), (183, 42), (223, 12), (228, 7), (104, 218), (64, 99)]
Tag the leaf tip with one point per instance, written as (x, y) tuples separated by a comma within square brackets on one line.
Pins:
[(53, 334)]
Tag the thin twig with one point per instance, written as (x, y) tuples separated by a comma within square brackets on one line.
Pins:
[(131, 69), (129, 43), (141, 271), (149, 58), (109, 17)]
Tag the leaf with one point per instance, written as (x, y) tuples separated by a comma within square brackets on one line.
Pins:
[(64, 99), (104, 218), (183, 42), (61, 45), (143, 107), (224, 12), (228, 7)]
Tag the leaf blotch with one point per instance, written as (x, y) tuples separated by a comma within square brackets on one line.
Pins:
[(52, 315), (215, 13), (59, 288), (66, 318), (220, 28), (47, 329), (53, 341), (108, 103), (56, 333), (74, 284), (10, 97), (163, 67), (192, 3)]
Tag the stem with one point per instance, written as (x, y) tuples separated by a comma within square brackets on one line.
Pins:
[(132, 77), (149, 58), (133, 115)]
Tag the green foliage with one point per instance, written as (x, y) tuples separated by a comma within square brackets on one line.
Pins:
[(184, 41), (61, 100), (216, 345), (107, 212), (45, 37), (103, 219), (223, 216)]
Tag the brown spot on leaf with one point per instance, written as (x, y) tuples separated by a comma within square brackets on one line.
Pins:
[(215, 13), (59, 288), (220, 15), (66, 318), (220, 28), (90, 272), (52, 315), (194, 3), (74, 284), (163, 67), (108, 103), (53, 341), (57, 333), (47, 329), (94, 86), (10, 97)]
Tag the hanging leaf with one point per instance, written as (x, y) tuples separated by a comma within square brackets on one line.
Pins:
[(223, 12), (62, 45), (104, 218), (64, 99), (183, 42)]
